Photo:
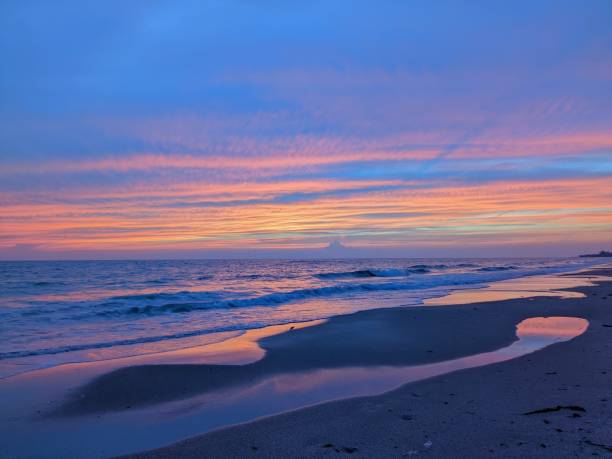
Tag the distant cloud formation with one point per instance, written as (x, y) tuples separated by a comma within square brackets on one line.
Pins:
[(336, 246), (157, 129)]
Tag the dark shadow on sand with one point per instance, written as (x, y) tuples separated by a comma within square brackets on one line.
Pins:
[(394, 337)]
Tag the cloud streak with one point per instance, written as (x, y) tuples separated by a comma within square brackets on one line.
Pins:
[(262, 126)]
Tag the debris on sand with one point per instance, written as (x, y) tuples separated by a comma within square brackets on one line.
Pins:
[(599, 445), (556, 408)]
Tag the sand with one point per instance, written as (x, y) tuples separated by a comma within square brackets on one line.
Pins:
[(471, 413), (394, 336)]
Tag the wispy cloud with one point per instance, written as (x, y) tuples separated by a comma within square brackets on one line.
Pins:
[(195, 126)]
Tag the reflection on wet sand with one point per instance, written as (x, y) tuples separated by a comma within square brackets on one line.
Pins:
[(553, 328), (329, 384), (527, 287), (282, 392), (153, 400), (240, 350), (316, 380)]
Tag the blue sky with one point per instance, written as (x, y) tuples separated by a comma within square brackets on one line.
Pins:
[(116, 114)]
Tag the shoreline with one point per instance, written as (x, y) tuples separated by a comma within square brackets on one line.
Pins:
[(349, 425), (36, 362), (396, 336), (485, 326), (515, 289)]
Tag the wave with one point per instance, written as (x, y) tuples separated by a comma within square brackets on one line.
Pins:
[(107, 344), (264, 300), (189, 302), (488, 269), (44, 283), (142, 305), (262, 276), (340, 275), (393, 272), (168, 296), (195, 301)]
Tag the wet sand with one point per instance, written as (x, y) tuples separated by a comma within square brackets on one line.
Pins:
[(380, 337), (472, 413)]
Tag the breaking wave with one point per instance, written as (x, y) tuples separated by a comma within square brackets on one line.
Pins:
[(488, 269), (185, 302), (118, 304), (402, 272)]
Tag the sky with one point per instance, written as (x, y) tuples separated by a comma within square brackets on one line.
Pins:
[(161, 129)]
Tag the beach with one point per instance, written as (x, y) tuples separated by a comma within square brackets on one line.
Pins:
[(473, 413), (451, 378), (234, 229)]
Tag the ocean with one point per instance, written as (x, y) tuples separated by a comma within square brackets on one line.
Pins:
[(54, 312)]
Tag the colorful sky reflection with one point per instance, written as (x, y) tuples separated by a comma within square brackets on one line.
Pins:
[(233, 128)]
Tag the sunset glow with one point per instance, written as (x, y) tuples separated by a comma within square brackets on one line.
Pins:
[(387, 135)]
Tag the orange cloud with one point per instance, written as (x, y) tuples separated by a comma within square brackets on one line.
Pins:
[(504, 212)]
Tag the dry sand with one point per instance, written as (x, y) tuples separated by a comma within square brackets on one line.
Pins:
[(472, 413)]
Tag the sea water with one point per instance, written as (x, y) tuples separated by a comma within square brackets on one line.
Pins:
[(53, 312)]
